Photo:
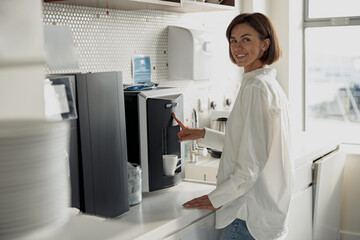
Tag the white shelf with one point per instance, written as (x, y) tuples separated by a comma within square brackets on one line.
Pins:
[(183, 6), (191, 6)]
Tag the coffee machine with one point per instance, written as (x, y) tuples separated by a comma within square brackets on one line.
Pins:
[(152, 133)]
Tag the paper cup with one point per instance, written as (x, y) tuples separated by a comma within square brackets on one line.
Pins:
[(169, 164)]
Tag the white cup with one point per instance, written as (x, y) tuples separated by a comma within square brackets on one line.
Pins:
[(169, 164)]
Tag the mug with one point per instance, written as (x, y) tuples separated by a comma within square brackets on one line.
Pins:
[(169, 164)]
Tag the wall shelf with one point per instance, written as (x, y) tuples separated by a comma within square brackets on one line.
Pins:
[(183, 6), (192, 6)]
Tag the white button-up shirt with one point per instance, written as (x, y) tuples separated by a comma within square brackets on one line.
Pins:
[(255, 175)]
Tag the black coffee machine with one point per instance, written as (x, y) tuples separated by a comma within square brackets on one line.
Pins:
[(152, 132)]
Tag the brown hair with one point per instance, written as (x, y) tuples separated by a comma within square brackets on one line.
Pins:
[(265, 28)]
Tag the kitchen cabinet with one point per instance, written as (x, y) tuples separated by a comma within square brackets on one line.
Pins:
[(182, 6), (203, 229), (300, 216), (315, 205)]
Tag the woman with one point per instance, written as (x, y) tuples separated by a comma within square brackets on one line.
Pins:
[(255, 175)]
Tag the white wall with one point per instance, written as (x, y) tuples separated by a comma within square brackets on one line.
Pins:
[(256, 6), (289, 25)]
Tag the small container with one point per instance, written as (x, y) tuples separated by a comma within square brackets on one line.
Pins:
[(134, 184)]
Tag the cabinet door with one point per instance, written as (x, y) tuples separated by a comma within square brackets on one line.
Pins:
[(328, 181), (300, 218), (203, 229)]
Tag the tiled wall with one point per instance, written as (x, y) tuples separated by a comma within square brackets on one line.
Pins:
[(107, 39)]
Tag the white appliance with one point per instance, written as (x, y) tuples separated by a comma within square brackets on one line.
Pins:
[(327, 192), (190, 54), (218, 122)]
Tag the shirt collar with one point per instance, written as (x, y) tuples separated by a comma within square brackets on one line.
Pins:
[(261, 71)]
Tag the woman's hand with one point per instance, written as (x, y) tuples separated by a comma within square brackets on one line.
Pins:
[(188, 133), (200, 203)]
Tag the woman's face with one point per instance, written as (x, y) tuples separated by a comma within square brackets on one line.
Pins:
[(247, 47)]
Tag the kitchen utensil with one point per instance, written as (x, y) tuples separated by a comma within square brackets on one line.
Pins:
[(219, 124)]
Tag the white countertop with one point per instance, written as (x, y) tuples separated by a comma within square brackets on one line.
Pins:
[(161, 213), (306, 149), (158, 215)]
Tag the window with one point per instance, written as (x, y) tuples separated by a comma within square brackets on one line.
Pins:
[(333, 8), (332, 68)]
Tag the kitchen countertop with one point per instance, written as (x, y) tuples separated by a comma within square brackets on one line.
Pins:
[(307, 148), (304, 151), (158, 215), (161, 213)]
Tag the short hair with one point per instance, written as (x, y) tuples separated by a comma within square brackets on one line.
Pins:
[(263, 25)]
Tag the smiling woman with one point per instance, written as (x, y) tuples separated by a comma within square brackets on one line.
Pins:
[(255, 176), (245, 33), (247, 47)]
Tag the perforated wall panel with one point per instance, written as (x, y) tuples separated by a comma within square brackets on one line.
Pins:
[(107, 40)]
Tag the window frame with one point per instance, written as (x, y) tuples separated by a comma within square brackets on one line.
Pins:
[(328, 22), (318, 23)]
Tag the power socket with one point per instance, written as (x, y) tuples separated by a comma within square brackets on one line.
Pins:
[(203, 104)]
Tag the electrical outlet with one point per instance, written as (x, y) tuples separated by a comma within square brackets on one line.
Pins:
[(203, 104)]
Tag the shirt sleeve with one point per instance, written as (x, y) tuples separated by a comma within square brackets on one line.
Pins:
[(213, 139), (250, 146)]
